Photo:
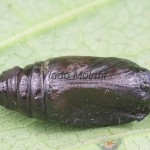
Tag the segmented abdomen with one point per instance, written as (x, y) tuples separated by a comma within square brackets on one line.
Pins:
[(22, 90)]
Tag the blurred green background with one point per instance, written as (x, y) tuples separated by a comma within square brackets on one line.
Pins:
[(33, 30)]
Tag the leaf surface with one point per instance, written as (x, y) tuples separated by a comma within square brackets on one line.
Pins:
[(33, 30)]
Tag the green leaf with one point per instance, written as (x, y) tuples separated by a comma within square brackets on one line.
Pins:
[(36, 30)]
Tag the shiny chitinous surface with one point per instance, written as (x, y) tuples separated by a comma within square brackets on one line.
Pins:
[(79, 90)]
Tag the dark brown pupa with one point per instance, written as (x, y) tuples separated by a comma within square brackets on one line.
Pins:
[(79, 90)]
